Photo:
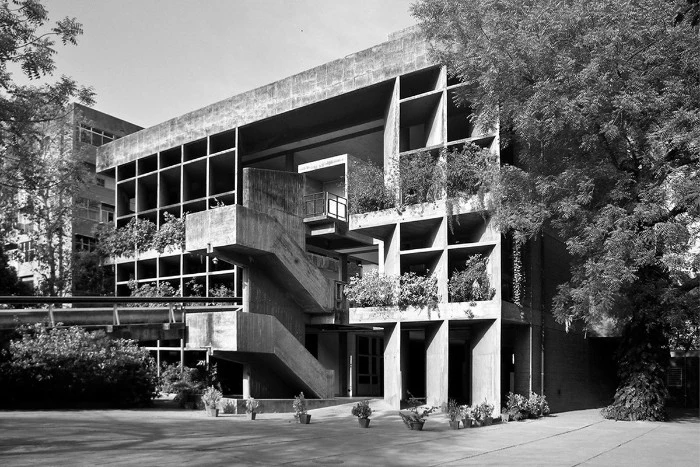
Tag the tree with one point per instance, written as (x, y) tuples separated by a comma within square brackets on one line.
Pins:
[(600, 104), (9, 282), (27, 43)]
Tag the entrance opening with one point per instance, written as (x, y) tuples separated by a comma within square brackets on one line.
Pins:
[(370, 366), (459, 387)]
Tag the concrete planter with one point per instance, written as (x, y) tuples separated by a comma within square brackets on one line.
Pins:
[(454, 425), (364, 422), (212, 411), (251, 415)]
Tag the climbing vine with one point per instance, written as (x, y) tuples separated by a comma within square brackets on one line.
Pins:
[(517, 271)]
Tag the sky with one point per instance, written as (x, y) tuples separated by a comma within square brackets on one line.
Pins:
[(152, 60)]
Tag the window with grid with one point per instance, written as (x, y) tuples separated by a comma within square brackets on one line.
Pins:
[(87, 209), (95, 136)]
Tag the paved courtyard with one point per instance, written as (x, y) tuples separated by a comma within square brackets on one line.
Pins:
[(178, 437)]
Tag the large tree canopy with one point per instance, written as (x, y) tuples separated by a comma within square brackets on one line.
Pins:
[(600, 102), (27, 48)]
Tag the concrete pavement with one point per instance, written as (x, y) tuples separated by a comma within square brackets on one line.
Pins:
[(179, 437)]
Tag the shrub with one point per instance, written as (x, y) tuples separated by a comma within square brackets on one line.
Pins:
[(473, 283), (519, 407), (171, 234), (465, 170), (641, 397), (212, 397), (252, 405), (453, 410), (70, 366), (362, 410), (482, 411), (299, 405), (372, 289), (420, 178), (417, 290), (367, 191)]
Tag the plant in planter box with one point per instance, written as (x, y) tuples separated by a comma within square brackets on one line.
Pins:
[(362, 411), (372, 289), (467, 415), (414, 417), (483, 413), (212, 399), (415, 290), (454, 413), (252, 407), (472, 284), (299, 406)]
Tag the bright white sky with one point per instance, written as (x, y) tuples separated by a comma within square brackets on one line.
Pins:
[(151, 60)]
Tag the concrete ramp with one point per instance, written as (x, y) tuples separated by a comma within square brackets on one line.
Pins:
[(255, 239), (261, 337)]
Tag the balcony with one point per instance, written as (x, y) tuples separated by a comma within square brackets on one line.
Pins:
[(324, 206)]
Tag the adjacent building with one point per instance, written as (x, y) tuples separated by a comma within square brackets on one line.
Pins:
[(75, 136), (263, 180)]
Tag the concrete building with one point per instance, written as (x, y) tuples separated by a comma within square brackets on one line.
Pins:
[(76, 135), (263, 179)]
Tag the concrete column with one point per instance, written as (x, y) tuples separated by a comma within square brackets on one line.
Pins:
[(289, 162), (245, 293), (392, 258), (393, 389), (246, 380), (437, 344), (486, 364)]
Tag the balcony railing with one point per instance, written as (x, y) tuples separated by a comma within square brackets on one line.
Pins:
[(326, 204)]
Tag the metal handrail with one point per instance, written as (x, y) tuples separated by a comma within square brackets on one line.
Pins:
[(28, 300)]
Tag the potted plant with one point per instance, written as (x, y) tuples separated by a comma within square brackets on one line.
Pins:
[(299, 406), (467, 416), (362, 411), (252, 407), (414, 418), (212, 398), (454, 414), (483, 414)]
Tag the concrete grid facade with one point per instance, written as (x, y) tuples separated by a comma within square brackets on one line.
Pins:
[(249, 172)]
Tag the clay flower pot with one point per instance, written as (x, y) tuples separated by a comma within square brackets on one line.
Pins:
[(304, 418), (364, 422)]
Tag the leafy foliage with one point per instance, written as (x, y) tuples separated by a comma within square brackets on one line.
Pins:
[(473, 283), (415, 290), (252, 405), (362, 410), (70, 366), (367, 191), (520, 407), (211, 397), (90, 277), (372, 289), (453, 410), (482, 411), (141, 235), (10, 284), (599, 106), (299, 405), (27, 43), (420, 178), (375, 289)]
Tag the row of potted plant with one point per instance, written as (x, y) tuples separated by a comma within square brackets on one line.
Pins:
[(470, 415), (212, 398)]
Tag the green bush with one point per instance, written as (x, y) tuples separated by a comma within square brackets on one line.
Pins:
[(372, 289), (59, 367), (420, 178), (473, 283), (417, 290), (409, 289), (367, 191)]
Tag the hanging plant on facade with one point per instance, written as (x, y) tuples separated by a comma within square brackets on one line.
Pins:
[(140, 236), (517, 272)]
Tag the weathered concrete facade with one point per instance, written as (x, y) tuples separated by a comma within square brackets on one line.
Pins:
[(263, 179)]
